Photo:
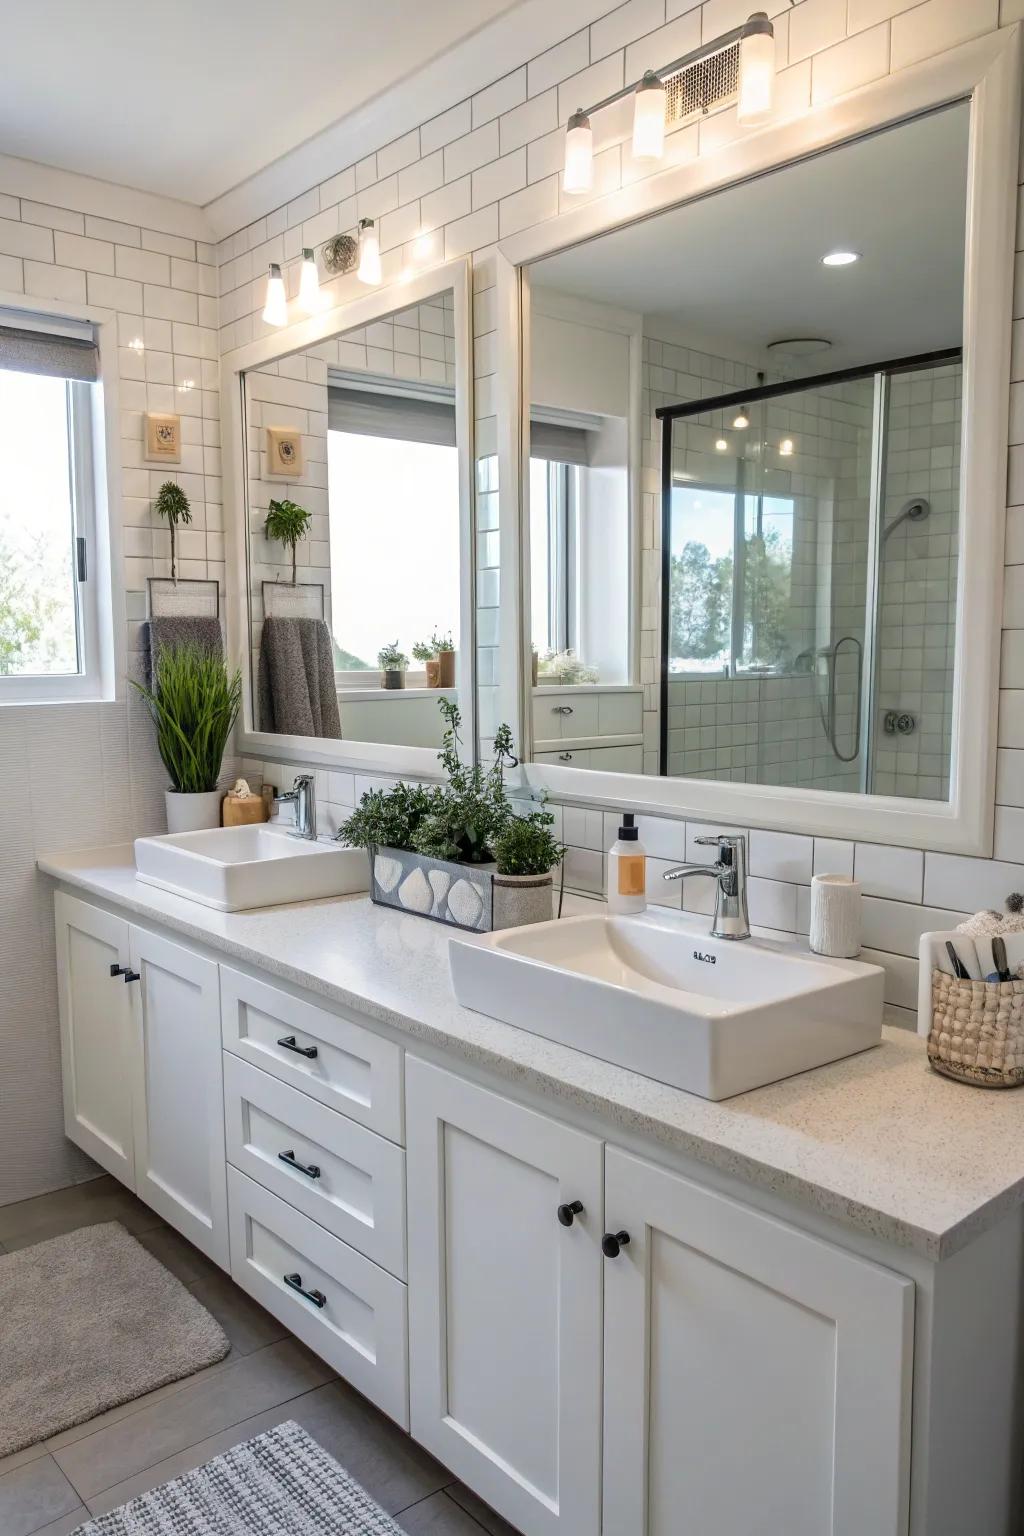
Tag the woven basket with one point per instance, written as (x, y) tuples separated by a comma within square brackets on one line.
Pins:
[(977, 1033)]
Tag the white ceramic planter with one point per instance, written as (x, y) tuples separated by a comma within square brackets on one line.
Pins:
[(192, 813)]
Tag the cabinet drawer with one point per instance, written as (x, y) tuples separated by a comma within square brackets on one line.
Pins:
[(328, 1056), (356, 1319), (577, 757), (564, 714), (621, 714), (354, 1180), (617, 759)]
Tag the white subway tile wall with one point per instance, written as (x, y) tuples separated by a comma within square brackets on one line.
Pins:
[(91, 771)]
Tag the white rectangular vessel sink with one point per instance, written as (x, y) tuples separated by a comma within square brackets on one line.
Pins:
[(656, 994), (236, 868)]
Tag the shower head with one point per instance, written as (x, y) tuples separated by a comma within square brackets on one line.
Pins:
[(916, 510)]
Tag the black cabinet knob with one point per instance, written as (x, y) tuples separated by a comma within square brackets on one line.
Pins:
[(612, 1242), (568, 1213), (131, 976), (118, 970)]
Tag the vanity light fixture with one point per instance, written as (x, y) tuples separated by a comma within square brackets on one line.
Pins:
[(757, 70), (275, 310), (741, 421), (840, 258), (578, 175), (310, 298), (737, 66), (649, 118), (786, 448), (369, 254)]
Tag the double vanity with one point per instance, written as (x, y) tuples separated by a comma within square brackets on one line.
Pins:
[(606, 1304)]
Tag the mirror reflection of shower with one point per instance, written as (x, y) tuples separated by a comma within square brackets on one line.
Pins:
[(809, 555)]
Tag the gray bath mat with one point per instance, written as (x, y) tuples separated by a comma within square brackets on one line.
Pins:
[(87, 1321), (279, 1484)]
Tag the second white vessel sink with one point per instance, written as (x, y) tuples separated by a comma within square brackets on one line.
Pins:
[(236, 868), (656, 994)]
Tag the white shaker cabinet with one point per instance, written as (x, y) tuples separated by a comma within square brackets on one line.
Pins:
[(141, 1065), (505, 1300), (95, 1033), (757, 1380), (178, 1092)]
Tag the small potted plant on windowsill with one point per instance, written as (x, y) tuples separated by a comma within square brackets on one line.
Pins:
[(424, 651), (444, 650), (393, 664), (194, 705)]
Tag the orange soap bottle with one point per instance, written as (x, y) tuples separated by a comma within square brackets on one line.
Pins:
[(627, 869)]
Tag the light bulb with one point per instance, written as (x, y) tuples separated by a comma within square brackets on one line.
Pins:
[(649, 119), (275, 310), (721, 445), (742, 421), (369, 253), (840, 258), (578, 175), (756, 70), (310, 297), (786, 448)]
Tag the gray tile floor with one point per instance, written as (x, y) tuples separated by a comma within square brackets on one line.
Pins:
[(267, 1377)]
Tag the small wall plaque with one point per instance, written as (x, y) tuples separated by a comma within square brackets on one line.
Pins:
[(163, 438), (284, 453)]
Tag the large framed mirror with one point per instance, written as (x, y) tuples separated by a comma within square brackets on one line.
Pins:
[(760, 525), (352, 452)]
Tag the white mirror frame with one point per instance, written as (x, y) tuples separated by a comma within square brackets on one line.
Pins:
[(421, 762), (988, 72)]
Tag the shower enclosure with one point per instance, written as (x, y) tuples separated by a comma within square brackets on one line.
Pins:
[(809, 572)]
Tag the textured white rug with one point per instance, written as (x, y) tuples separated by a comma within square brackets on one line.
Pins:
[(91, 1320), (279, 1484)]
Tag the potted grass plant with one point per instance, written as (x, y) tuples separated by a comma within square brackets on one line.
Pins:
[(393, 664), (194, 705), (457, 852)]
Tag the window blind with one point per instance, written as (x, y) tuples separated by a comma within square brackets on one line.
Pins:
[(560, 443), (67, 353), (406, 417)]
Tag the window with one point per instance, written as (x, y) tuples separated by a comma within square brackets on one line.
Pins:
[(49, 646), (554, 547), (730, 581), (393, 478)]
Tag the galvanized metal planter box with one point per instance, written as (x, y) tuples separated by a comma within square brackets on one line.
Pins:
[(470, 896)]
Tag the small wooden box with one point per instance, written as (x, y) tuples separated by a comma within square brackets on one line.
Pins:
[(244, 813)]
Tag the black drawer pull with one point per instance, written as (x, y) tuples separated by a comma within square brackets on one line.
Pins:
[(289, 1044), (309, 1169), (316, 1297), (612, 1242), (118, 970), (131, 976), (567, 1213)]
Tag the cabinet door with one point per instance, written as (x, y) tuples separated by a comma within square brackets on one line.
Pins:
[(756, 1379), (505, 1301), (95, 1033), (178, 1094)]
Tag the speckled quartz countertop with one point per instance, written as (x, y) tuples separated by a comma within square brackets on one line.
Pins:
[(877, 1142)]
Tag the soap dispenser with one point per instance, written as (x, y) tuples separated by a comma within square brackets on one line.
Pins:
[(627, 869)]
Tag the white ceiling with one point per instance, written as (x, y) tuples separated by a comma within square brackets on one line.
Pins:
[(745, 265), (191, 97)]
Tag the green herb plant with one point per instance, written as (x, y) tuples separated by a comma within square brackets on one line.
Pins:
[(462, 820), (391, 659), (287, 522), (172, 504), (194, 705), (424, 651), (525, 845)]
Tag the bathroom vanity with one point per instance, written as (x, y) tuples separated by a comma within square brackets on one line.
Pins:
[(600, 1301)]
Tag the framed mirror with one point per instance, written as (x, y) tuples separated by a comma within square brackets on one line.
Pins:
[(761, 528), (352, 453)]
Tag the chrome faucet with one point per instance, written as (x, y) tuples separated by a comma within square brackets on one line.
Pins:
[(303, 796), (730, 871)]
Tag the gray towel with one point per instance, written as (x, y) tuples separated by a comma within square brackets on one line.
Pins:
[(297, 696), (180, 629)]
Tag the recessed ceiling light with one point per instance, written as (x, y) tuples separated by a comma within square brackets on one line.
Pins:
[(840, 258)]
